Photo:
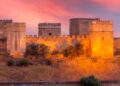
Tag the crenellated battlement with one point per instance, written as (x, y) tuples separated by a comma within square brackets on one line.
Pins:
[(59, 42), (61, 37), (104, 22)]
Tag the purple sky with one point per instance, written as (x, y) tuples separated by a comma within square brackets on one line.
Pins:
[(35, 11)]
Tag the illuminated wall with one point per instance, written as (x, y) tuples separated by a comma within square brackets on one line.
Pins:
[(102, 39), (100, 33), (98, 43), (60, 43)]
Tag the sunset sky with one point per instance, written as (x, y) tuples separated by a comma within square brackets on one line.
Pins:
[(35, 11)]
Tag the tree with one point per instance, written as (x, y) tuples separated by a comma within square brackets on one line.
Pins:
[(73, 51), (68, 51), (37, 50), (90, 81)]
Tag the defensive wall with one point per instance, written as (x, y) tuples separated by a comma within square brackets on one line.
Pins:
[(60, 42)]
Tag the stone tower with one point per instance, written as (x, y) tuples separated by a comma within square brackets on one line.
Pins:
[(49, 29), (80, 26), (100, 34), (14, 34)]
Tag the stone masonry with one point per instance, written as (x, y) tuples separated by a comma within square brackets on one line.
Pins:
[(100, 33), (49, 29), (13, 35), (96, 36)]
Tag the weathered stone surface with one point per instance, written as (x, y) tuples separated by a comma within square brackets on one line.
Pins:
[(100, 33), (14, 33), (49, 29)]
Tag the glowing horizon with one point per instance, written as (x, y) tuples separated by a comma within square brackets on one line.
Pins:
[(33, 12)]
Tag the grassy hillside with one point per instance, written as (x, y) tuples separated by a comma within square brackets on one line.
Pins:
[(67, 70)]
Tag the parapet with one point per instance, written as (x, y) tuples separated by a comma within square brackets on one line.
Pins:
[(58, 37), (102, 26), (44, 24), (85, 19), (102, 22)]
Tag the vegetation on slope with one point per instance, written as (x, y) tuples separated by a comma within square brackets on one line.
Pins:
[(90, 81)]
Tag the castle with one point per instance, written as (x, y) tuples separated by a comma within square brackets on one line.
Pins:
[(95, 35)]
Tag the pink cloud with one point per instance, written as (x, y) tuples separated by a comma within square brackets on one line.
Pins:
[(33, 12)]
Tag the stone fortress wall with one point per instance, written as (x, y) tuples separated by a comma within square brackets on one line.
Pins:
[(102, 39), (100, 33), (60, 42), (95, 35), (53, 41)]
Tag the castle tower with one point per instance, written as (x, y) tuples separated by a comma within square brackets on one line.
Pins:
[(13, 35), (100, 34), (49, 29), (102, 39), (80, 26), (3, 35)]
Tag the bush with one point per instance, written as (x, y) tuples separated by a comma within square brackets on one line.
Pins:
[(73, 51), (10, 63), (68, 51), (20, 62), (46, 62), (90, 81), (78, 49), (23, 62), (37, 50)]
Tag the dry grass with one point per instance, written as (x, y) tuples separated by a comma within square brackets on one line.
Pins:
[(67, 70)]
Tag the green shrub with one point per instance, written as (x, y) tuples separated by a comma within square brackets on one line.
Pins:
[(22, 62), (90, 81), (78, 49), (68, 51), (48, 62), (37, 50), (10, 63), (73, 51)]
